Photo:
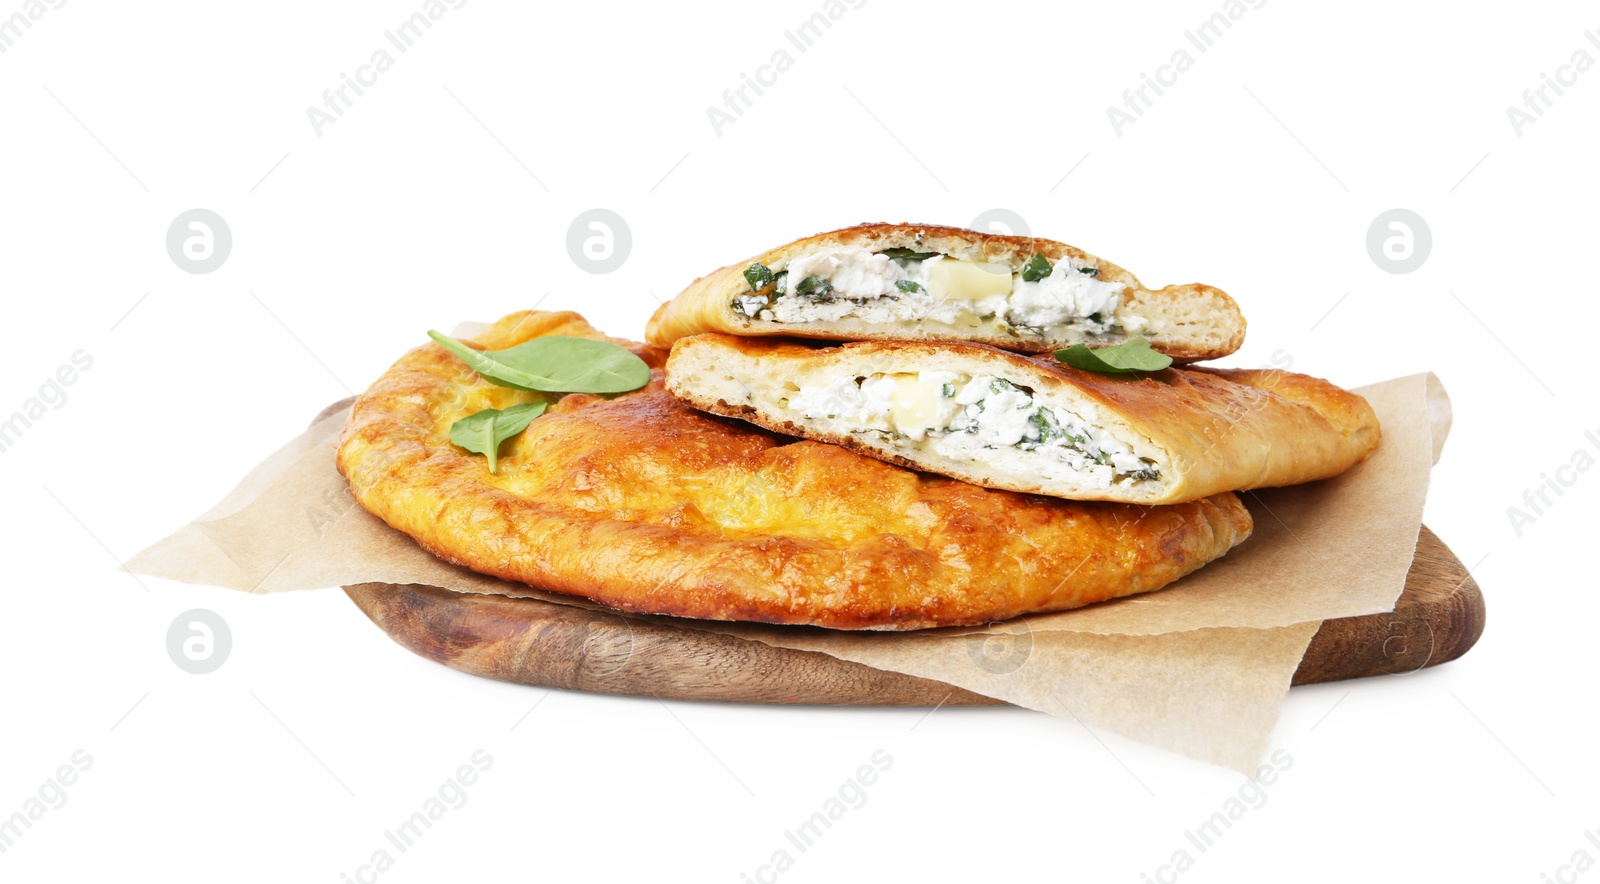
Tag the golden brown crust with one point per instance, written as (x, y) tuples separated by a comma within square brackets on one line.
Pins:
[(647, 505), (1189, 322), (1215, 429)]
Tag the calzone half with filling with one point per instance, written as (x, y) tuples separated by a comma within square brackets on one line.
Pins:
[(925, 283), (1004, 420)]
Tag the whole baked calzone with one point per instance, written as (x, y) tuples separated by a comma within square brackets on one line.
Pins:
[(640, 502)]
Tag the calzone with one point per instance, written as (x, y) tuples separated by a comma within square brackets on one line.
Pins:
[(1004, 420), (925, 283), (643, 503)]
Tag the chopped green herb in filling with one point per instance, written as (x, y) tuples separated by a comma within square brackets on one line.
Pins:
[(814, 287), (901, 254), (758, 276), (1037, 268)]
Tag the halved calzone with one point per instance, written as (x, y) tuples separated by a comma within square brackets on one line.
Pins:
[(1008, 421), (916, 282)]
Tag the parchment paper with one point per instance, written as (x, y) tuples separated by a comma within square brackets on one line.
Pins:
[(1211, 694), (1199, 668)]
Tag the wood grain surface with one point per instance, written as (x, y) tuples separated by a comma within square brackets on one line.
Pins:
[(527, 641)]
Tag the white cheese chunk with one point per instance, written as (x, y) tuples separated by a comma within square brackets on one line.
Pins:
[(853, 273), (1064, 295)]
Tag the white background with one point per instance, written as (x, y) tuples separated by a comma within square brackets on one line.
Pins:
[(445, 194)]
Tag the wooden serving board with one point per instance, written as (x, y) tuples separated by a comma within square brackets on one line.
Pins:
[(1437, 619)]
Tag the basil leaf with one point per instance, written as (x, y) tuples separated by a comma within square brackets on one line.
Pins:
[(1089, 271), (902, 254), (781, 283), (554, 364), (907, 285), (814, 286), (1037, 268), (483, 432), (758, 276), (1133, 356)]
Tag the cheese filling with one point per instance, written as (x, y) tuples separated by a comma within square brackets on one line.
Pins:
[(878, 287), (981, 418)]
